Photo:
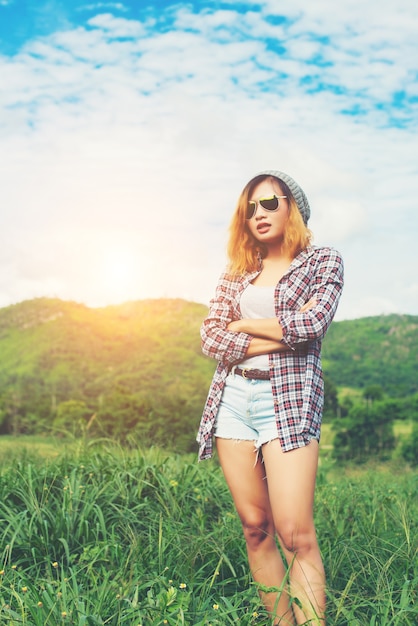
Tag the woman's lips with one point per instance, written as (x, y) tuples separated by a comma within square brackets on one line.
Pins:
[(263, 228)]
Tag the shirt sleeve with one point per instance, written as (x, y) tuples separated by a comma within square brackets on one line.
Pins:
[(326, 286), (217, 342)]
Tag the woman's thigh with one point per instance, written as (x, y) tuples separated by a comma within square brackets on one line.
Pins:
[(291, 478), (246, 479)]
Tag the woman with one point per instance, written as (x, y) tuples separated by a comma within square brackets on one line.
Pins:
[(265, 325)]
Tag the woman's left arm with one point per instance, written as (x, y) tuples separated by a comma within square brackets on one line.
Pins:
[(267, 328), (312, 320), (326, 288)]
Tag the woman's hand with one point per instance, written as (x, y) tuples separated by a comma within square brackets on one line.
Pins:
[(309, 305), (235, 326)]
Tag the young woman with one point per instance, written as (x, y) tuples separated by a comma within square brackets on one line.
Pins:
[(265, 325)]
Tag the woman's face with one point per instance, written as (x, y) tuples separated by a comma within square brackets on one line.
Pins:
[(266, 226)]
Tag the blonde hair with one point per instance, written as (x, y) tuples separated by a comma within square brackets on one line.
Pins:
[(244, 250)]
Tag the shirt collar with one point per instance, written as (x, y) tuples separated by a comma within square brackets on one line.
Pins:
[(297, 262)]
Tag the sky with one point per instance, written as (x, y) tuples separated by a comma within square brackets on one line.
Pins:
[(128, 130)]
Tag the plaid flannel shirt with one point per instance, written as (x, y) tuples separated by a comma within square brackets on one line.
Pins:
[(295, 374)]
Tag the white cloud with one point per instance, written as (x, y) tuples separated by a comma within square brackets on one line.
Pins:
[(117, 27), (116, 135), (98, 6)]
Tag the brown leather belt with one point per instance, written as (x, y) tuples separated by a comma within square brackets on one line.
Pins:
[(253, 374)]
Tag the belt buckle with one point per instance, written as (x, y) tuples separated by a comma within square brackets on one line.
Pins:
[(244, 373)]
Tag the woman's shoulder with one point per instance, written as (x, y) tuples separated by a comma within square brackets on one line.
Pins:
[(324, 254), (231, 278)]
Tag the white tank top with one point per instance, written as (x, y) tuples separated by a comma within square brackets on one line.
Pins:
[(257, 303)]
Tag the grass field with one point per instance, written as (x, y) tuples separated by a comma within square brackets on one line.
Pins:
[(93, 534)]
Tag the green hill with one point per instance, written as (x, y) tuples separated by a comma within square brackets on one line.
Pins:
[(138, 367), (374, 351)]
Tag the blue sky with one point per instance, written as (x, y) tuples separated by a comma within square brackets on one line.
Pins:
[(128, 129)]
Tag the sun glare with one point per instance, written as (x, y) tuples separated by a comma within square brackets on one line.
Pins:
[(120, 276)]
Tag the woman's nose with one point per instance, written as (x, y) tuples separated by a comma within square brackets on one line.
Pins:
[(259, 211)]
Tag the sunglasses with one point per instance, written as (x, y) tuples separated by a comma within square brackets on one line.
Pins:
[(268, 204)]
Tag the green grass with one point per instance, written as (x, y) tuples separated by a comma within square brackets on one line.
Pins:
[(31, 445), (94, 534)]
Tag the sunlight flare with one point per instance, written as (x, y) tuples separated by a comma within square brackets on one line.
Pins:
[(120, 272)]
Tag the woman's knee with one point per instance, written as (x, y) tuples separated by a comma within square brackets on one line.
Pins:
[(295, 539), (257, 527)]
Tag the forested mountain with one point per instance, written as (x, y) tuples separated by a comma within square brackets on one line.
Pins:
[(138, 367), (379, 350)]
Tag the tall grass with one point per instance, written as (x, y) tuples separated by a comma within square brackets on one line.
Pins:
[(110, 536)]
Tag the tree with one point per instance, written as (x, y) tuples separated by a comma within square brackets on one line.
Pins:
[(373, 393), (120, 412), (330, 398), (72, 417), (10, 411), (410, 447), (365, 432)]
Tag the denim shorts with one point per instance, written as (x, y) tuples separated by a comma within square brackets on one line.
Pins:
[(246, 411)]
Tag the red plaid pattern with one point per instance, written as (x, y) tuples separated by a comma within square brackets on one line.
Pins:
[(296, 375)]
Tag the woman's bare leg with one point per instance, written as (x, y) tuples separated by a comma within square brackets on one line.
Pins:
[(291, 484), (245, 476)]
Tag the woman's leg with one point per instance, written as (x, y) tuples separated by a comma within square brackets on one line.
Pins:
[(245, 476), (291, 484)]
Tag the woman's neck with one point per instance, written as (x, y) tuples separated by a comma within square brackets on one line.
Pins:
[(276, 254), (274, 267)]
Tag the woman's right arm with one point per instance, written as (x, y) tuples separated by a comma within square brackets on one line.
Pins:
[(231, 347), (217, 341)]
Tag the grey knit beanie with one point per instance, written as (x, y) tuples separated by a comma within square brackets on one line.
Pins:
[(298, 193)]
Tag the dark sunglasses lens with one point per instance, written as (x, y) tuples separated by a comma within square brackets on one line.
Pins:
[(251, 207), (270, 204)]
